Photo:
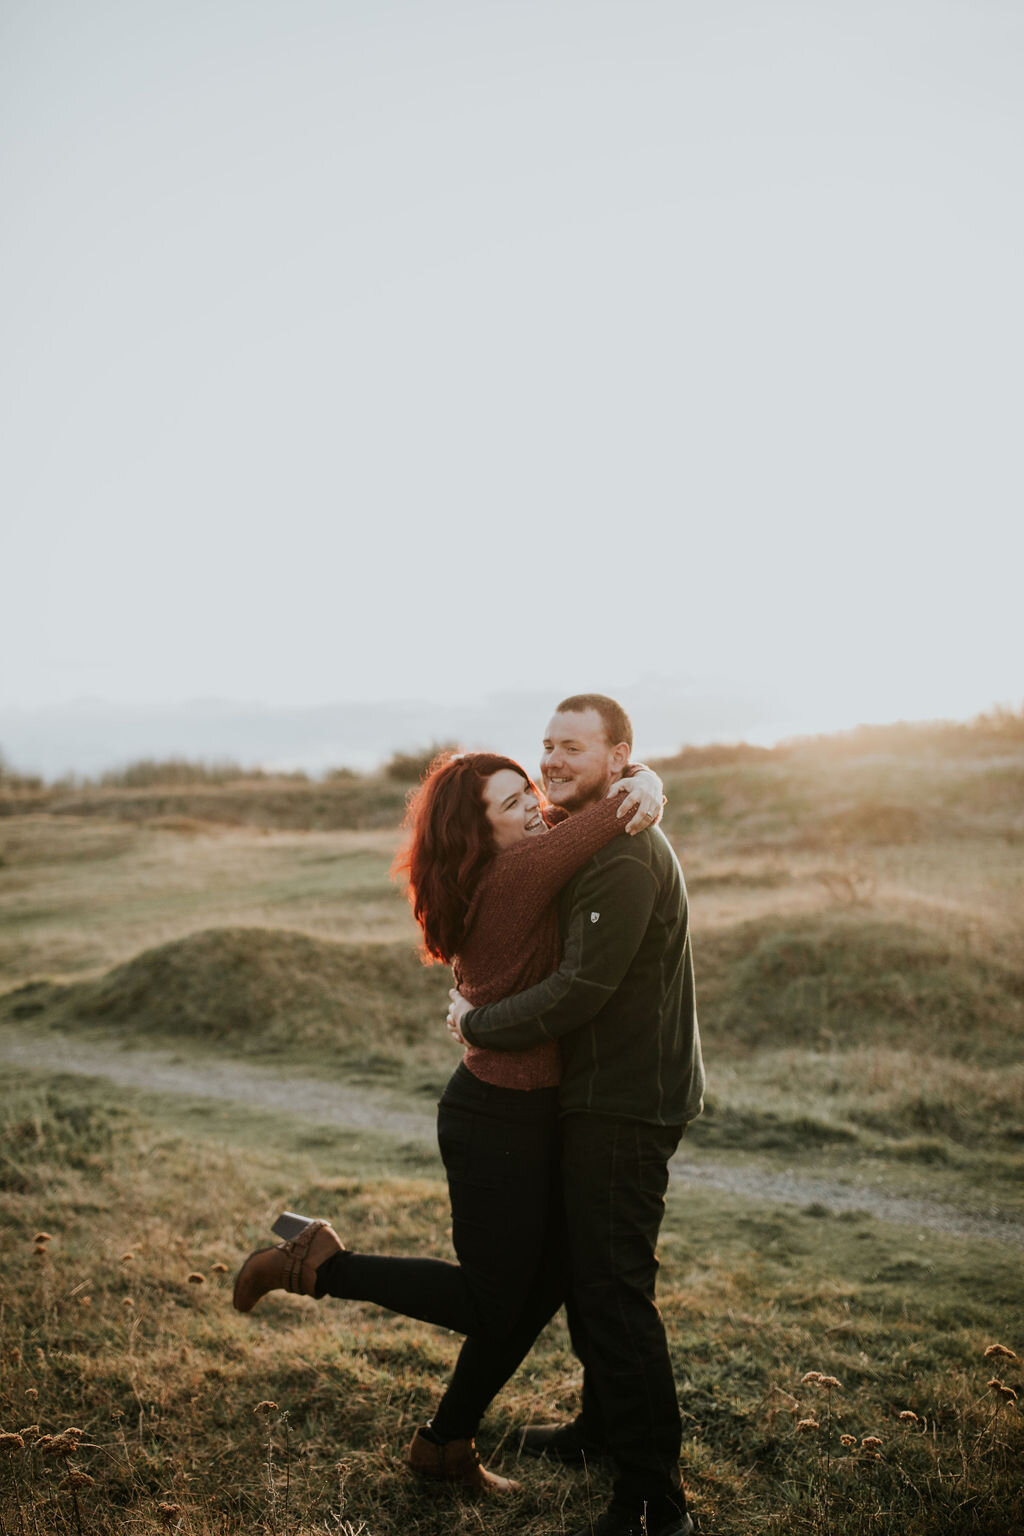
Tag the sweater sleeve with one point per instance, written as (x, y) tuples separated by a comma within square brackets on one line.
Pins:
[(527, 877), (609, 917)]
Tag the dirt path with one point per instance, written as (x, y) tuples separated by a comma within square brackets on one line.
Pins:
[(361, 1109)]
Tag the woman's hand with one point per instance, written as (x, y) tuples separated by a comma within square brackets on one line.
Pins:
[(457, 1010), (642, 800)]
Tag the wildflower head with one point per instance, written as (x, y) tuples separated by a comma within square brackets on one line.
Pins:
[(64, 1444), (265, 1407), (40, 1250), (1001, 1390), (195, 1278), (999, 1349), (126, 1258), (77, 1479), (11, 1442), (908, 1416), (31, 1391), (807, 1426), (218, 1269), (43, 1237), (168, 1512), (832, 1383), (847, 1440), (811, 1376), (871, 1442), (59, 1445)]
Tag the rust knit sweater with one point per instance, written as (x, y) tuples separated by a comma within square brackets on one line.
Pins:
[(512, 939)]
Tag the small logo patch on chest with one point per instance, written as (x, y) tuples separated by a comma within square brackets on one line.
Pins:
[(595, 917)]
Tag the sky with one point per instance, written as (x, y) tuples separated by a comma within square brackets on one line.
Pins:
[(390, 351)]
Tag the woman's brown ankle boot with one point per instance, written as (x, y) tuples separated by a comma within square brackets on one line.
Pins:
[(288, 1267), (456, 1462)]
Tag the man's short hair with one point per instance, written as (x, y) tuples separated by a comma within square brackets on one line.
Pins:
[(617, 724)]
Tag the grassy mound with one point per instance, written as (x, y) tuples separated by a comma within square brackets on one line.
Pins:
[(260, 989), (845, 980)]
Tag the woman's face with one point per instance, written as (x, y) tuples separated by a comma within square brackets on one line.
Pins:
[(512, 809)]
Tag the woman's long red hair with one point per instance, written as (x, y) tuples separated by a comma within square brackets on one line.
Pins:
[(450, 842)]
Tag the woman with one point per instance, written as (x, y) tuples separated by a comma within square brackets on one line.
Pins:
[(484, 868)]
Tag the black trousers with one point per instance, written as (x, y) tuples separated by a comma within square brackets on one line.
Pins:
[(500, 1151), (601, 1254), (544, 1212), (614, 1178)]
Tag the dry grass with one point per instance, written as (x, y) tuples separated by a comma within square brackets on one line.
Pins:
[(121, 1328), (81, 894)]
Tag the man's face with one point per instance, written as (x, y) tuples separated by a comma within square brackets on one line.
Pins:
[(577, 764)]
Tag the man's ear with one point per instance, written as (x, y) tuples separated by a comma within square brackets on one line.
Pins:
[(620, 756)]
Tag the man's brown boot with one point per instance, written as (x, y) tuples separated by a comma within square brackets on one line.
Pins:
[(288, 1267), (456, 1462)]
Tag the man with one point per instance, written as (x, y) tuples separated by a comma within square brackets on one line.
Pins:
[(622, 1006)]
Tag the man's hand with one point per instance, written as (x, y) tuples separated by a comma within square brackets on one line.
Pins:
[(457, 1010), (642, 800)]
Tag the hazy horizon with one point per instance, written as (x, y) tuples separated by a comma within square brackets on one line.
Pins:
[(89, 737)]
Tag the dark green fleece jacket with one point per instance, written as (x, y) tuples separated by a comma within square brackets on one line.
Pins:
[(622, 1001)]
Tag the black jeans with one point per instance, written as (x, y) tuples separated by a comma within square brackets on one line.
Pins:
[(614, 1177), (500, 1151)]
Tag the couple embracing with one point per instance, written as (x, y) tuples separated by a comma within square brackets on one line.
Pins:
[(566, 925)]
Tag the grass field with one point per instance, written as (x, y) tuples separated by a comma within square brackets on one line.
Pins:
[(857, 929)]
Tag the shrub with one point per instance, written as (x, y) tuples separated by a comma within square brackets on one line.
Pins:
[(149, 771), (409, 767)]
